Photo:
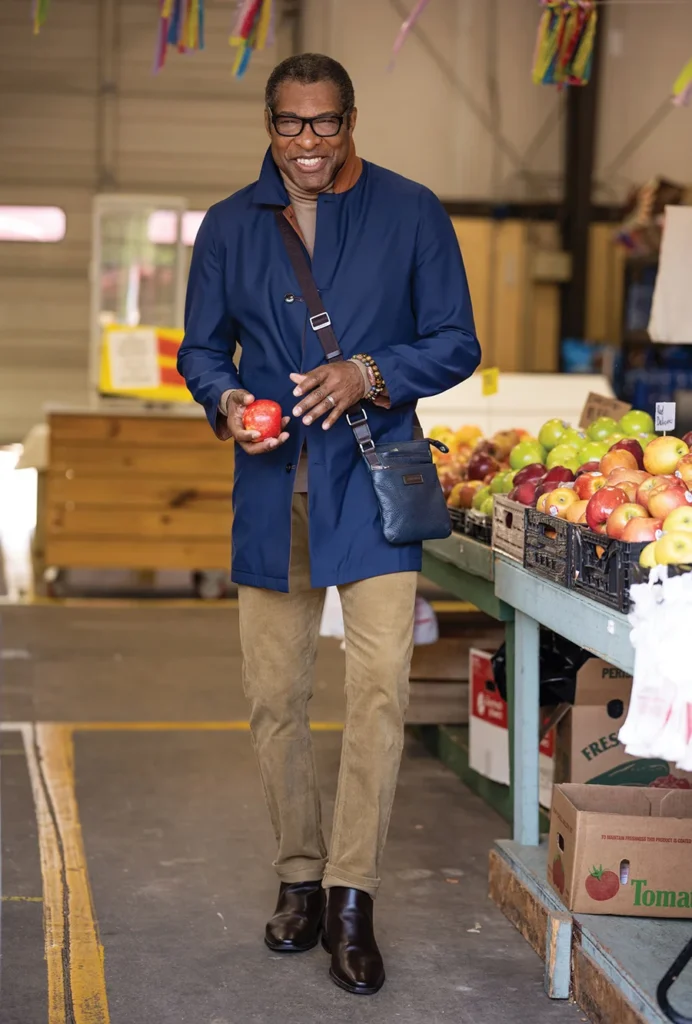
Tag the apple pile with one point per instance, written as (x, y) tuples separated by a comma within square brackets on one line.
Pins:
[(476, 468), (617, 479)]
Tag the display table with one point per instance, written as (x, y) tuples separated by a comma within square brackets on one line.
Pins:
[(610, 965), (466, 569)]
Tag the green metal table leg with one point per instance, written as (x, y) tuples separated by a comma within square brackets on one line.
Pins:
[(526, 719)]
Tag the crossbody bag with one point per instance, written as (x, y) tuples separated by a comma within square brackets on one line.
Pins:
[(409, 495)]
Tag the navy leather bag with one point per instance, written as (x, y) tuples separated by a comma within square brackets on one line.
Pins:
[(408, 491)]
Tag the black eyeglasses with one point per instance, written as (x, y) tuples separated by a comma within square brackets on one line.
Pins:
[(326, 126)]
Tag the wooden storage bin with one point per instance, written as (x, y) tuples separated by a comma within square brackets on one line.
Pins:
[(136, 491), (509, 527)]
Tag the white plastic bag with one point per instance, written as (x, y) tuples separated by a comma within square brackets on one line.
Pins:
[(425, 630), (332, 615), (659, 719)]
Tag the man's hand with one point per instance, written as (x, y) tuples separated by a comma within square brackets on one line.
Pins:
[(247, 439), (328, 390)]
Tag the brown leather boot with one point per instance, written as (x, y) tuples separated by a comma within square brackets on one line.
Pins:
[(348, 936), (297, 921)]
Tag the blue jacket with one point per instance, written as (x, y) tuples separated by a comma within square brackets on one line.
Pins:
[(388, 266)]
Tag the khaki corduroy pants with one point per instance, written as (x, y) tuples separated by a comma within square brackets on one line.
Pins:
[(279, 634)]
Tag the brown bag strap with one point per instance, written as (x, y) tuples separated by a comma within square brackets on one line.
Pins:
[(321, 323)]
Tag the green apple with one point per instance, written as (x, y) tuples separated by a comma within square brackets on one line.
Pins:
[(526, 453), (574, 437), (508, 481), (550, 434), (593, 451), (636, 422), (602, 428), (497, 483), (479, 497), (617, 436), (563, 454), (486, 508)]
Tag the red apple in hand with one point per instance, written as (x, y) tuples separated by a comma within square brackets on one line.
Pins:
[(618, 520), (263, 416), (587, 484), (665, 499), (602, 505), (535, 471), (631, 445), (639, 530)]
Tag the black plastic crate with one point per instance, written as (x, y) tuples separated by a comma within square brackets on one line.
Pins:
[(479, 527), (605, 568), (457, 517), (548, 547)]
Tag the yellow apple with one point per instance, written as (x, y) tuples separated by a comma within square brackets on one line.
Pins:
[(679, 519), (674, 548), (663, 455), (647, 558)]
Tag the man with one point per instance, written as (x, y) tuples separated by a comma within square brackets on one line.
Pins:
[(389, 271)]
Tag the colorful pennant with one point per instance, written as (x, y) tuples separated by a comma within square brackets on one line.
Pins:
[(682, 90), (565, 42), (181, 24), (253, 29), (39, 10), (406, 28)]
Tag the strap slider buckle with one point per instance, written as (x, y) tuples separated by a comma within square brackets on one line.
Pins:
[(367, 446), (357, 423), (320, 321)]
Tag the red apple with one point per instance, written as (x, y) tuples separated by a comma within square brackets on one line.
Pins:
[(263, 416), (559, 474), (602, 505), (590, 467), (640, 530), (481, 465), (637, 476), (587, 484), (663, 454), (617, 459), (525, 493), (628, 487), (462, 493), (688, 439), (618, 520), (630, 444), (533, 472), (663, 501)]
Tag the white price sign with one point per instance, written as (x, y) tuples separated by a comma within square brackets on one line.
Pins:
[(665, 416)]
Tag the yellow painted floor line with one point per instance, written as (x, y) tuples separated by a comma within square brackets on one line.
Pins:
[(74, 954), (453, 606), (21, 899), (133, 602), (185, 726)]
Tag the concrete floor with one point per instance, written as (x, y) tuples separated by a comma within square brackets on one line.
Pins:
[(178, 845)]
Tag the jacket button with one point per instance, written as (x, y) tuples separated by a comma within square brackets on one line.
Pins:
[(289, 467), (288, 297)]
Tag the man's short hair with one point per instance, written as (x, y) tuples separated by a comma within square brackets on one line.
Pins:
[(308, 68)]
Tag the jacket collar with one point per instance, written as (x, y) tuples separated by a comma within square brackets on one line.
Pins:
[(271, 191)]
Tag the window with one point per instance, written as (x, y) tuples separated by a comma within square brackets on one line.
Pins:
[(161, 228), (32, 224)]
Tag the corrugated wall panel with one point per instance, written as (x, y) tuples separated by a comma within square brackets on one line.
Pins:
[(191, 130)]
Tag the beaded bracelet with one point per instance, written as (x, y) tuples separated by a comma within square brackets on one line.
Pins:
[(377, 384)]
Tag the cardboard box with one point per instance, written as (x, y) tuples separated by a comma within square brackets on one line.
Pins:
[(622, 850), (489, 730), (509, 525), (587, 748)]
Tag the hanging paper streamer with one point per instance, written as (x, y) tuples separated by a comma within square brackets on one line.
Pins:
[(181, 24), (253, 30), (39, 9), (406, 28), (565, 42), (682, 90)]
